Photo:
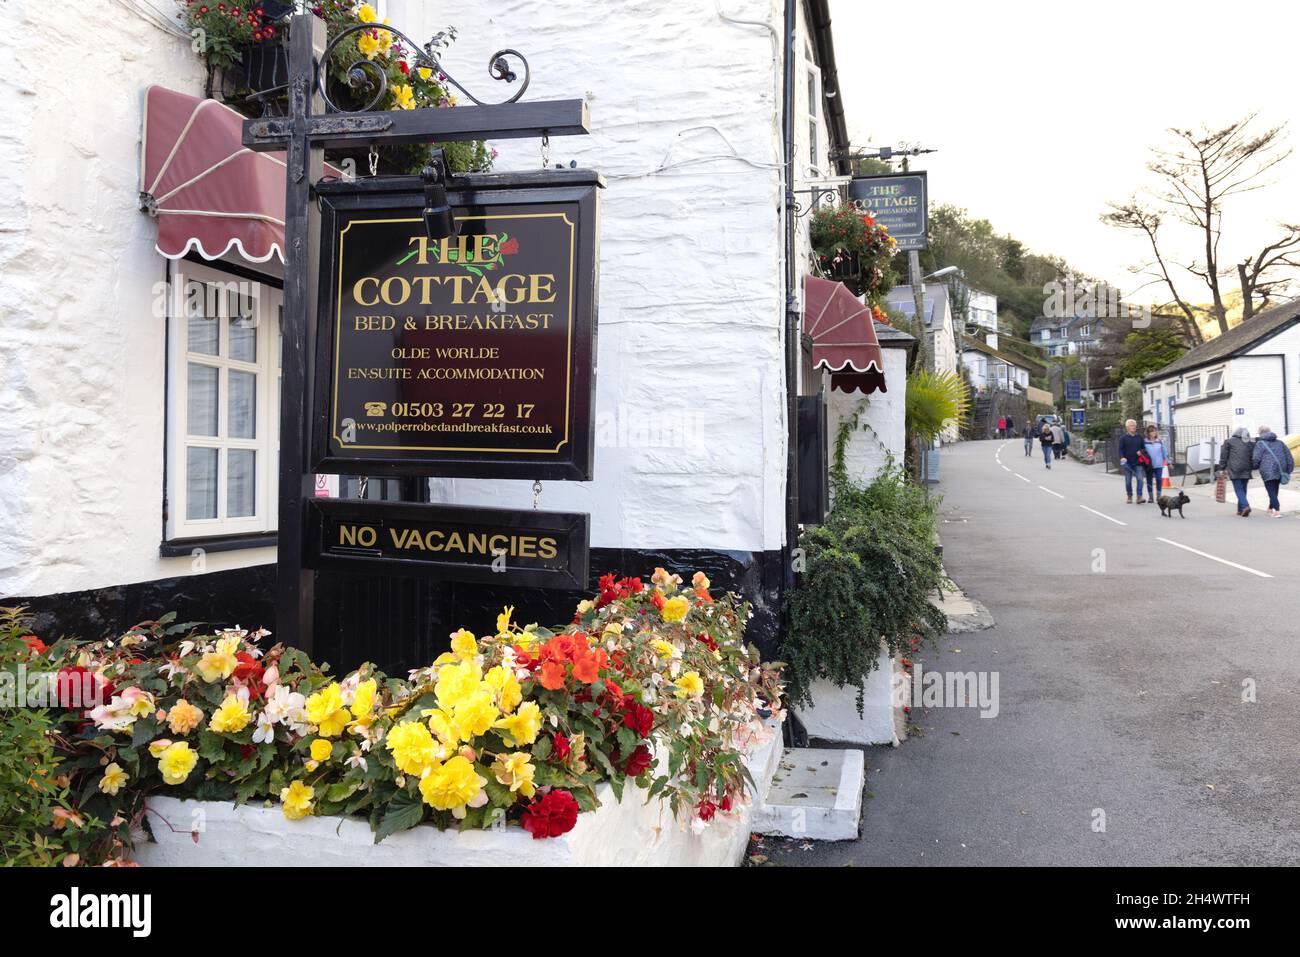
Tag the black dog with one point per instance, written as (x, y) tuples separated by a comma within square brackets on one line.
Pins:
[(1168, 503)]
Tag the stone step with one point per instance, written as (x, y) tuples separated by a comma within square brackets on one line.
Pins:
[(816, 795)]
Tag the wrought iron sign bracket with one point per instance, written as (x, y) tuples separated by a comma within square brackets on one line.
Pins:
[(820, 195)]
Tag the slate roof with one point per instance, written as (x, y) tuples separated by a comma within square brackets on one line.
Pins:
[(1236, 340)]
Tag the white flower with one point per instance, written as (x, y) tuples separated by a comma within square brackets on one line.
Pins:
[(265, 732), (356, 761), (288, 708), (171, 670)]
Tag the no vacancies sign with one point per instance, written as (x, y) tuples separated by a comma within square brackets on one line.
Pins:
[(485, 545), (466, 356), (898, 202)]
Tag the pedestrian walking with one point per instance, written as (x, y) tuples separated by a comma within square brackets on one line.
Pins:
[(1002, 427), (1274, 462), (1237, 462), (1157, 460), (1130, 445), (1058, 442), (1030, 434), (1011, 426), (1045, 440)]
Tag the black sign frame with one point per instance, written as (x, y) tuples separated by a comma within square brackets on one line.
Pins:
[(473, 194), (571, 566)]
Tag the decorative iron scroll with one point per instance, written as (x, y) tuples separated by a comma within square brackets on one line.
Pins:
[(368, 72)]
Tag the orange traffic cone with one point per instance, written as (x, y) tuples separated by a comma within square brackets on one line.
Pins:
[(1166, 483)]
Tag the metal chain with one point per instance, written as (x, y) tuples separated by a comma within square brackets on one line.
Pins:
[(537, 492), (546, 151), (374, 160)]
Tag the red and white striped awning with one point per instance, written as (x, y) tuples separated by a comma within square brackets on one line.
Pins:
[(843, 336), (210, 194)]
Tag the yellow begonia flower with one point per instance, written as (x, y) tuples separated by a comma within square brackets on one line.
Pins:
[(183, 717), (515, 771), (675, 609), (585, 606), (452, 786), (231, 718), (474, 714), (442, 726), (690, 685), (363, 701), (296, 800), (176, 762), (457, 682), (217, 666), (113, 779), (464, 646), (412, 747), (325, 710), (503, 681), (403, 97), (156, 748), (228, 645), (368, 45), (664, 649), (424, 72), (503, 619), (521, 727), (321, 749)]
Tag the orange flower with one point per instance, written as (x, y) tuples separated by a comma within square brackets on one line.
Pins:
[(585, 669), (552, 678), (703, 595)]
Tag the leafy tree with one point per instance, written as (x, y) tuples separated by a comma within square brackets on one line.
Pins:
[(1130, 398), (1146, 350)]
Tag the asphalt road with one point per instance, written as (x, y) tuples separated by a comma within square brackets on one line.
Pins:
[(1121, 659)]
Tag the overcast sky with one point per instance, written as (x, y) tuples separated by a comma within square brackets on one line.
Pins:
[(1042, 112)]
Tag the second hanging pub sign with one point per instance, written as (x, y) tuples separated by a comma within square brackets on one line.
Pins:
[(469, 356)]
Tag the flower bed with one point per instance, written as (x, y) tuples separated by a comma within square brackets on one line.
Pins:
[(649, 686)]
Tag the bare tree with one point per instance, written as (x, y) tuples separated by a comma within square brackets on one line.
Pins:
[(1199, 174)]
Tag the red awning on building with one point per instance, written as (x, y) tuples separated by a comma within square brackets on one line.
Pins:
[(843, 336), (210, 193)]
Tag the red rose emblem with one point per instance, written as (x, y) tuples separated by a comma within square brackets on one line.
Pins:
[(555, 813), (510, 246)]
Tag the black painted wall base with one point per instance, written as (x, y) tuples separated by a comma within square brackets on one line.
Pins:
[(397, 623)]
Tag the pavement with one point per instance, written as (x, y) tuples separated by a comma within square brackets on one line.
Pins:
[(1148, 684)]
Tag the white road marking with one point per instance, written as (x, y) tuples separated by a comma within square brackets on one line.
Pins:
[(1214, 558), (1050, 492), (1023, 479), (1004, 468), (1102, 515)]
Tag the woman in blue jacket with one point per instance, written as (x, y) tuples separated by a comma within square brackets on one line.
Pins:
[(1158, 459), (1273, 460)]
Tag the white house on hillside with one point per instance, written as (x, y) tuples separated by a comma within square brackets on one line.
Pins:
[(940, 326), (1247, 377)]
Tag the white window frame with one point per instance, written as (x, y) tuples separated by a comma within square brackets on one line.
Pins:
[(814, 85), (1209, 377), (267, 303), (1193, 386)]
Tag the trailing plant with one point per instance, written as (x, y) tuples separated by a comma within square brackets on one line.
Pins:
[(868, 576), (649, 684)]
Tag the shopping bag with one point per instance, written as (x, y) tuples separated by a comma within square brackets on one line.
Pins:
[(1221, 488)]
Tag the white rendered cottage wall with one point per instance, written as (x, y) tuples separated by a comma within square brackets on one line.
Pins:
[(880, 432), (81, 368), (685, 109)]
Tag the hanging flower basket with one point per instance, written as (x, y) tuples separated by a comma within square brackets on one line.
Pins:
[(851, 247)]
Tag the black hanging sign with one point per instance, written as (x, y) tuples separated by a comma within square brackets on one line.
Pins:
[(487, 545), (468, 356)]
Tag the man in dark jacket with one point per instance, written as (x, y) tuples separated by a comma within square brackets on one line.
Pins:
[(1130, 444), (1236, 461), (1273, 460)]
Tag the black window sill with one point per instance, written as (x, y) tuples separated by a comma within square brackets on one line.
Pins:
[(179, 547)]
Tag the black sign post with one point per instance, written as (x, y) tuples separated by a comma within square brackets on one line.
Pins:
[(304, 134)]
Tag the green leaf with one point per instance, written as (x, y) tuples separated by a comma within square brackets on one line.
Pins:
[(402, 813), (211, 746)]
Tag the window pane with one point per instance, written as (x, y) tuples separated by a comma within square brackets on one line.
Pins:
[(201, 400), (241, 417), (202, 336), (200, 483), (241, 499), (243, 338)]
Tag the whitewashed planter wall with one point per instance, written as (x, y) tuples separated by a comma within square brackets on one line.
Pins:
[(834, 712), (624, 834)]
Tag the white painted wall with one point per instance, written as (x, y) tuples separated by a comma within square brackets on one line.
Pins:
[(685, 116), (880, 432), (81, 371)]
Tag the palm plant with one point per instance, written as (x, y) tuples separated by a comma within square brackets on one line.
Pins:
[(934, 401)]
